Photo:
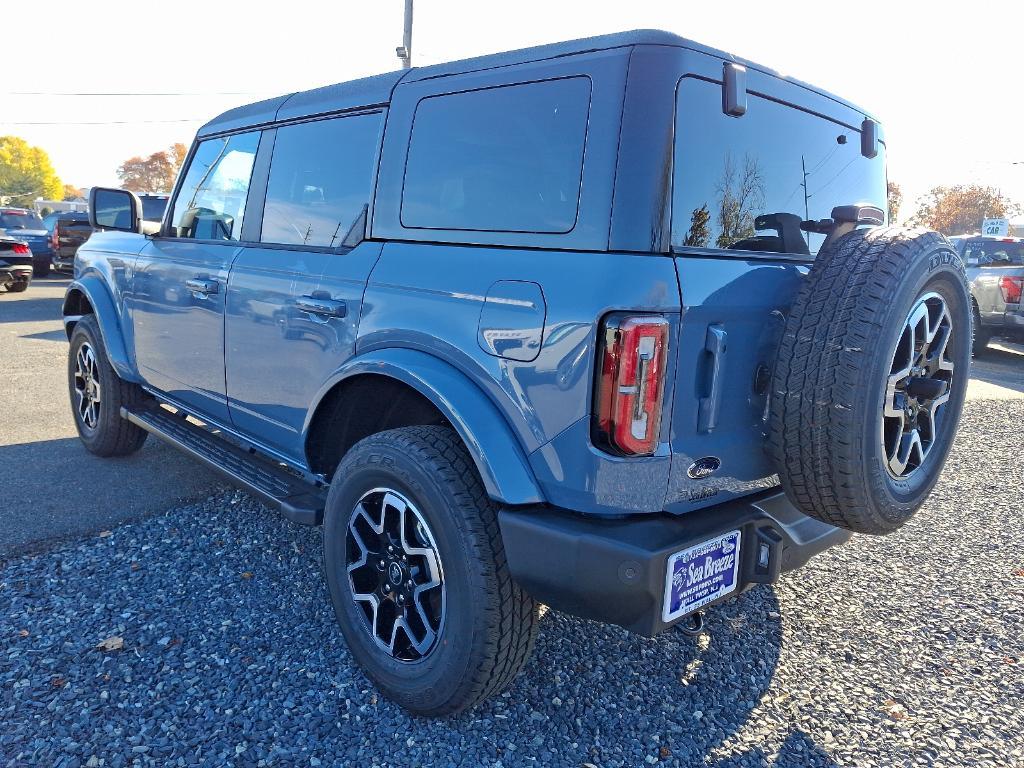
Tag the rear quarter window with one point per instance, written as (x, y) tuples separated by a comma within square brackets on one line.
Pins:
[(504, 159), (776, 160)]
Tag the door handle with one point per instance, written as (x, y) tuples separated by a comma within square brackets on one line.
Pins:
[(323, 306), (707, 410), (203, 286)]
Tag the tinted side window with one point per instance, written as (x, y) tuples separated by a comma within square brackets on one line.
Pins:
[(507, 159), (211, 201), (746, 183), (320, 179)]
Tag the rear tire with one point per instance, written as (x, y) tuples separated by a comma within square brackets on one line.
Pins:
[(870, 378), (42, 271), (18, 286), (982, 336), (486, 625), (91, 377)]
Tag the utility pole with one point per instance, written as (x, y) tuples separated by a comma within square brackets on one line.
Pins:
[(807, 212), (404, 51)]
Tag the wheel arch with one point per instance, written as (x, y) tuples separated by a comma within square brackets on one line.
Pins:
[(431, 391), (88, 296)]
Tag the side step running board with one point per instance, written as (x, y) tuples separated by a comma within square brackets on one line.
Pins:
[(298, 500)]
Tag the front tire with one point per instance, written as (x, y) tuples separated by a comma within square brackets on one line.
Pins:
[(97, 394), (411, 499)]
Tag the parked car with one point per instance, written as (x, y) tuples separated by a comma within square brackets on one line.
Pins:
[(995, 270), (15, 264), (27, 226), (552, 332), (68, 230)]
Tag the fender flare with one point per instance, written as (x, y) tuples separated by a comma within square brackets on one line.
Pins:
[(493, 446), (107, 318)]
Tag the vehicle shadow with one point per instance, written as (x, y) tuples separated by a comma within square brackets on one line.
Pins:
[(679, 699), (24, 310), (67, 492), (1001, 364)]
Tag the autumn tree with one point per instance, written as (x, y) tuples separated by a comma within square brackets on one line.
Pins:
[(894, 196), (740, 195), (71, 192), (26, 173), (155, 173), (960, 209)]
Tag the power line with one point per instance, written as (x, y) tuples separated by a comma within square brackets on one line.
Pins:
[(99, 122), (126, 93)]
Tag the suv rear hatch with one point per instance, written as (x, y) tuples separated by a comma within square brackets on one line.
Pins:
[(741, 187)]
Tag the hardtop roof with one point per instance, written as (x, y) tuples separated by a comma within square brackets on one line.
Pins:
[(377, 90)]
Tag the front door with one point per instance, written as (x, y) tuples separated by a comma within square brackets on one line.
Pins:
[(180, 278), (294, 299)]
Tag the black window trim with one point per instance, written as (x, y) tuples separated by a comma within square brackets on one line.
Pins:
[(583, 163), (727, 253), (259, 200)]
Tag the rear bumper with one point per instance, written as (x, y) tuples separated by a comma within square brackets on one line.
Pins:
[(614, 570), (15, 273)]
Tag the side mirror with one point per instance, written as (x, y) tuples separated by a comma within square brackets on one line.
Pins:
[(116, 209)]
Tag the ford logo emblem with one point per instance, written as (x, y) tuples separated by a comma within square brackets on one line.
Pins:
[(704, 467)]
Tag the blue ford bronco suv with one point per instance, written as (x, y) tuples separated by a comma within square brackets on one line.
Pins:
[(613, 325)]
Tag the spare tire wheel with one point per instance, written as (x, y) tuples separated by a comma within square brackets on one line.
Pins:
[(870, 377)]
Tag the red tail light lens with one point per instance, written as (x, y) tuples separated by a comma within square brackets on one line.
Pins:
[(1011, 288), (630, 383), (55, 237), (21, 248)]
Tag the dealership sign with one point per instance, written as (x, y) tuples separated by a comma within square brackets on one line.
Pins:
[(997, 227)]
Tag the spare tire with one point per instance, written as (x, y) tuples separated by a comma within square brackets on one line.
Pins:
[(870, 377)]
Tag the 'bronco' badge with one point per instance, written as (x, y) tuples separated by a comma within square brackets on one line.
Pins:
[(704, 467)]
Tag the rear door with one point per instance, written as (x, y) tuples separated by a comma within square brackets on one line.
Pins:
[(180, 278), (294, 299), (741, 186)]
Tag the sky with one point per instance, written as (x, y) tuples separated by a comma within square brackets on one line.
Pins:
[(945, 79)]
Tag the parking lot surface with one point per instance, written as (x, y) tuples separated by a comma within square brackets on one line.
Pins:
[(222, 650), (54, 489)]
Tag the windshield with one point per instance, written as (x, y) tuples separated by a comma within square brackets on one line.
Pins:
[(20, 220), (153, 208), (978, 253), (746, 183)]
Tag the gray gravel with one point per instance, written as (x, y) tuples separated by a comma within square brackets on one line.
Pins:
[(905, 650)]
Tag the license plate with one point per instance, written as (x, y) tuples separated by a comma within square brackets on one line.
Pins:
[(701, 574)]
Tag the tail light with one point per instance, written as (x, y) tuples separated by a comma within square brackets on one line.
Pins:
[(22, 249), (55, 237), (1011, 288), (630, 383)]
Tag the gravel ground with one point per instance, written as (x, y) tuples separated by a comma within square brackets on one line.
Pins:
[(906, 650)]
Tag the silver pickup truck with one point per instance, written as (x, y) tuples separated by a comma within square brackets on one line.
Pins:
[(995, 270)]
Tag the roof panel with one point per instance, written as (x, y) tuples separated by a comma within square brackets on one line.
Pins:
[(366, 92)]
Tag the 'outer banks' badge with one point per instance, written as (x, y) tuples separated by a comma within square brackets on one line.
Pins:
[(701, 574)]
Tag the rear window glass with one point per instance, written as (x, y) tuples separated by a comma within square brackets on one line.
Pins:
[(320, 179), (507, 159), (993, 252), (19, 220), (153, 207), (746, 183)]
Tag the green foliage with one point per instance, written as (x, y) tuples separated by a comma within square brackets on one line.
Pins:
[(26, 173), (699, 234)]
